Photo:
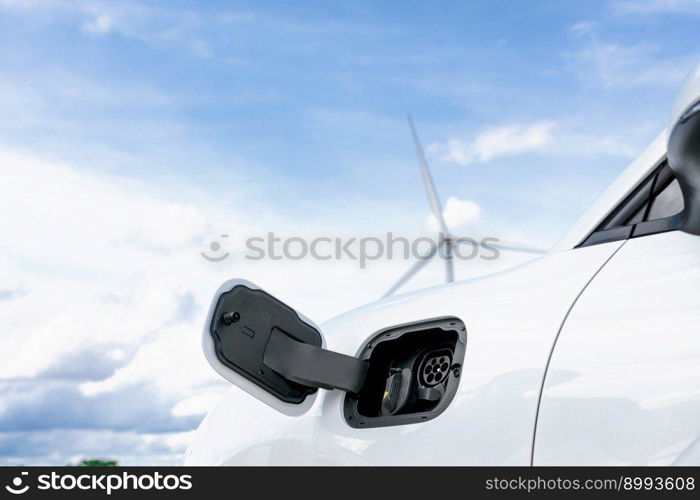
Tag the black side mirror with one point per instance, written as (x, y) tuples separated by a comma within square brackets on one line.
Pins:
[(684, 149), (684, 160)]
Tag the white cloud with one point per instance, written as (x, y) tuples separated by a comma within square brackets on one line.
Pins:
[(495, 142), (159, 26), (80, 248), (456, 213), (170, 226), (582, 28), (616, 65), (569, 137), (650, 7), (19, 3), (580, 143), (101, 24), (621, 66)]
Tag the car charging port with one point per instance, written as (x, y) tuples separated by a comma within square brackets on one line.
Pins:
[(413, 374)]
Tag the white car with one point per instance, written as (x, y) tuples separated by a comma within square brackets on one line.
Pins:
[(587, 355)]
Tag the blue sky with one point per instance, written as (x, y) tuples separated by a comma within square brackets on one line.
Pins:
[(131, 132), (315, 95)]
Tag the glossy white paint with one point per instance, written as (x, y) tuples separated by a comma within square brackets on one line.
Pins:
[(623, 386), (512, 319)]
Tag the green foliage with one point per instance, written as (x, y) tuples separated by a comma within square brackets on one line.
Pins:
[(98, 463)]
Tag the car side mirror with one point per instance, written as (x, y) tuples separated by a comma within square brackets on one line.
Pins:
[(684, 150)]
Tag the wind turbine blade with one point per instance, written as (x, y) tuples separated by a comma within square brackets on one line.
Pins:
[(433, 198), (411, 272), (449, 261), (501, 244)]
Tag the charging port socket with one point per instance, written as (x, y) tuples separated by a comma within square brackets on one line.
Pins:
[(413, 374)]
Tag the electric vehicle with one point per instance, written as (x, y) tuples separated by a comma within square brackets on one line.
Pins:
[(587, 355)]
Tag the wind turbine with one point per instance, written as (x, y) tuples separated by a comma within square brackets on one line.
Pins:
[(447, 241)]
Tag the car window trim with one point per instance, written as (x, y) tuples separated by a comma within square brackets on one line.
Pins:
[(642, 196)]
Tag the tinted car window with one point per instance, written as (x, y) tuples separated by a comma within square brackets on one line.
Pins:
[(633, 208), (649, 209), (667, 203)]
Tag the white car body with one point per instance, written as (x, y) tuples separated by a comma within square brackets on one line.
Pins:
[(588, 355)]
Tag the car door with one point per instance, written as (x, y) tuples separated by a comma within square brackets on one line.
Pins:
[(623, 382)]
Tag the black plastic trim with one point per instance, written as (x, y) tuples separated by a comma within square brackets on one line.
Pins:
[(449, 324), (240, 339), (267, 342), (608, 235), (657, 226), (312, 366), (638, 199)]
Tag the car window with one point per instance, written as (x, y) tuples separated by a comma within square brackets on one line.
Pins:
[(633, 209), (667, 203), (648, 209), (638, 216)]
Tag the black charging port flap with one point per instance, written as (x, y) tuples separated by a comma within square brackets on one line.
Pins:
[(269, 344)]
